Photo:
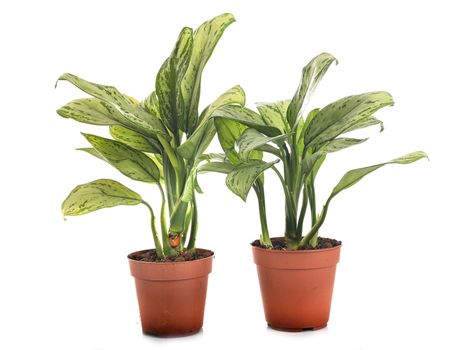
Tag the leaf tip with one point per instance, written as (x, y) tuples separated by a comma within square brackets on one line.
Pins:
[(229, 16), (87, 136)]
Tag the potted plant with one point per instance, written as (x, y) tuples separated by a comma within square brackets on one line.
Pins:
[(160, 141), (296, 272)]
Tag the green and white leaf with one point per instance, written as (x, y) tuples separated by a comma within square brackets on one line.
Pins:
[(132, 114), (234, 96), (366, 123), (302, 127), (252, 139), (342, 115), (342, 143), (246, 117), (151, 105), (132, 139), (313, 162), (350, 179), (312, 73), (224, 167), (171, 104), (96, 195), (241, 179), (354, 176), (91, 111), (229, 132), (189, 188), (275, 114), (211, 156), (127, 160), (204, 41), (196, 144), (93, 152)]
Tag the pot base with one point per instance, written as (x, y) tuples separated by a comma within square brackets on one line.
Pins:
[(293, 330), (173, 335)]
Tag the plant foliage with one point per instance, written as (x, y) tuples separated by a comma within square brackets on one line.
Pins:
[(160, 140), (300, 145)]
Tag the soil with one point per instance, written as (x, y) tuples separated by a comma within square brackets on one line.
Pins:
[(151, 256), (279, 243)]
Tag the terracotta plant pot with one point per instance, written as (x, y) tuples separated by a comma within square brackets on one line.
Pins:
[(296, 286), (171, 295)]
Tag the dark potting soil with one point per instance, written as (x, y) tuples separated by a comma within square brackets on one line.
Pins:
[(151, 256), (279, 243)]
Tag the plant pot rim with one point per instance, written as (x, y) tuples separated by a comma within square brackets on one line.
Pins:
[(169, 263), (305, 251)]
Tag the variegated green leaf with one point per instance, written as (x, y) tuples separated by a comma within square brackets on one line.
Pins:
[(234, 96), (132, 139), (127, 160), (342, 143), (92, 151), (275, 114), (354, 176), (252, 139), (246, 117), (178, 217), (241, 179), (312, 73), (301, 129), (133, 113), (151, 105), (91, 111), (171, 104), (313, 162), (366, 123), (211, 156), (196, 144), (342, 115), (189, 188), (224, 167), (228, 132), (96, 195), (268, 149), (349, 179), (204, 41)]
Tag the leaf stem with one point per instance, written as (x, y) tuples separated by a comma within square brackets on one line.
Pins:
[(291, 214), (169, 151), (312, 236), (165, 238), (301, 216), (157, 243), (265, 237), (312, 199), (194, 226), (188, 219)]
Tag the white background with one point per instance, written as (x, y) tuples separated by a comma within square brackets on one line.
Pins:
[(403, 281)]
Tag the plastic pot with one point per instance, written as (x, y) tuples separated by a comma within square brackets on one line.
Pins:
[(296, 286), (171, 295)]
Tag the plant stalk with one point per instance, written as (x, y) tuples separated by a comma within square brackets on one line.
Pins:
[(194, 226), (312, 236), (157, 243), (301, 216), (290, 208), (265, 237)]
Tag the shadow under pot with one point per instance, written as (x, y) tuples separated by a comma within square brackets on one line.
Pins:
[(296, 286), (171, 295)]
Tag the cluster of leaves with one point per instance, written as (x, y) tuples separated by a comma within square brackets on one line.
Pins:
[(160, 140), (300, 144)]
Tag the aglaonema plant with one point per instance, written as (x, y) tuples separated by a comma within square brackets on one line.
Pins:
[(160, 140), (300, 144)]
